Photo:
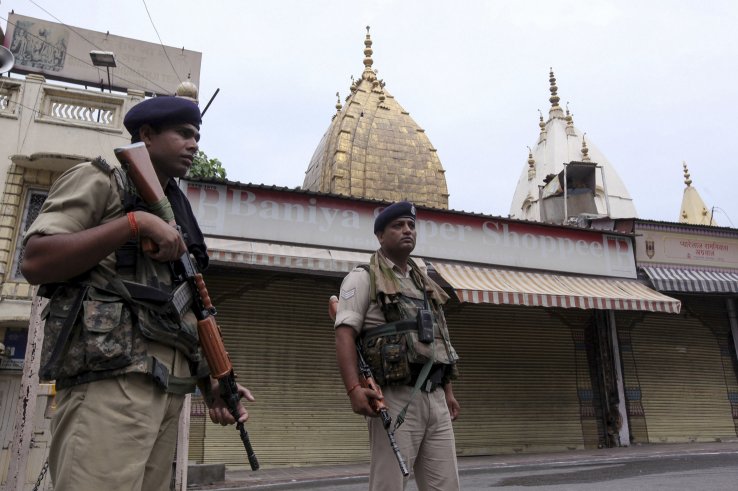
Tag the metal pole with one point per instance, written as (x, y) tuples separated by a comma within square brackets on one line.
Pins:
[(733, 320), (604, 190), (25, 417), (624, 436), (209, 102)]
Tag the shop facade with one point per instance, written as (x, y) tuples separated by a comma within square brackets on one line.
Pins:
[(532, 316), (681, 370)]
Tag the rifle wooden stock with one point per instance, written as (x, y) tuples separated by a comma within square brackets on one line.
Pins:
[(135, 158), (211, 337), (213, 348), (137, 162)]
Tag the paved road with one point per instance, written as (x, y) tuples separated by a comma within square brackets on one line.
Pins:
[(704, 472)]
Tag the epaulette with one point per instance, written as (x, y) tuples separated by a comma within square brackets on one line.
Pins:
[(101, 164), (116, 171)]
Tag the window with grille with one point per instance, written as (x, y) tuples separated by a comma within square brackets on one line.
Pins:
[(34, 199)]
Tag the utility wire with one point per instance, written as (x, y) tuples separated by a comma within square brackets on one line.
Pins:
[(96, 47), (161, 43), (723, 212), (88, 63)]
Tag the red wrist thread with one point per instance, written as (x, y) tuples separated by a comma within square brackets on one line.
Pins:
[(357, 384), (133, 225)]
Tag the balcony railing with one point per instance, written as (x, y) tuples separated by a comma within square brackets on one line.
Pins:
[(81, 108), (9, 93)]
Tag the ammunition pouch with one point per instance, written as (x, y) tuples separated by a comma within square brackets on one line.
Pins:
[(86, 330), (93, 333), (390, 350)]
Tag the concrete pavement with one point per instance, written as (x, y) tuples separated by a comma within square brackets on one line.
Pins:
[(307, 477)]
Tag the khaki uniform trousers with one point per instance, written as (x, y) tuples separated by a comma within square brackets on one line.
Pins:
[(426, 441), (118, 433)]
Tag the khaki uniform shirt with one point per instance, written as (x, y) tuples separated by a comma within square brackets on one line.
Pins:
[(355, 308), (82, 198)]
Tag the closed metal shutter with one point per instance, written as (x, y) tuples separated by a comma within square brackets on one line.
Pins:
[(521, 375), (280, 339), (680, 377), (524, 384)]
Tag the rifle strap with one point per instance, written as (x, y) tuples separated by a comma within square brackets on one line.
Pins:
[(422, 377), (418, 383)]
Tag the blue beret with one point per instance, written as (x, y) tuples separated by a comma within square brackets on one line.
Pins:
[(161, 110), (393, 212)]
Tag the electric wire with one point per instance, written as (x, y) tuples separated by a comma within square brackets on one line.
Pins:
[(86, 62), (723, 212), (92, 44), (97, 47), (161, 43)]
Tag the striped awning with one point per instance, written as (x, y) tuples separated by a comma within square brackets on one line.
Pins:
[(693, 281), (294, 258), (499, 286)]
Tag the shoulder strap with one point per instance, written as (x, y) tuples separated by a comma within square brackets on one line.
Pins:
[(102, 164)]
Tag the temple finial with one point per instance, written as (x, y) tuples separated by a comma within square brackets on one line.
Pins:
[(569, 122), (338, 102), (585, 150), (554, 99), (541, 124), (368, 61), (687, 180)]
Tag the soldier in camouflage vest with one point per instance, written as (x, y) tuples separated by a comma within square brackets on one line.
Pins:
[(121, 353), (378, 306)]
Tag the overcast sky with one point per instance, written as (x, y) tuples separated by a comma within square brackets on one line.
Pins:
[(652, 83)]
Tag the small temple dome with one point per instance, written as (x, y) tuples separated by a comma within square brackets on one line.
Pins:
[(560, 142), (694, 210), (374, 149)]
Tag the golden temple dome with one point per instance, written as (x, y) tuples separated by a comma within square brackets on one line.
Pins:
[(374, 149)]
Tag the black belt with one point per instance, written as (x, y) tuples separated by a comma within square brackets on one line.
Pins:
[(434, 379)]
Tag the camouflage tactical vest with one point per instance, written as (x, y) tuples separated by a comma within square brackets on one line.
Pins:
[(393, 350), (98, 325)]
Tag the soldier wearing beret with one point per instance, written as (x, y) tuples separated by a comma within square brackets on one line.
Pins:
[(123, 355), (412, 360)]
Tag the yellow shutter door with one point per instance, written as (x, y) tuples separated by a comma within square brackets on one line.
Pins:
[(518, 384), (681, 373)]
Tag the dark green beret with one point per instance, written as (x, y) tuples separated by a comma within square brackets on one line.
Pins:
[(393, 212)]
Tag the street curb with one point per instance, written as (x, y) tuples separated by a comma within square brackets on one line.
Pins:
[(551, 460)]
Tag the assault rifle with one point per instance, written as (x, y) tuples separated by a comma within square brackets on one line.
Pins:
[(135, 159), (367, 381)]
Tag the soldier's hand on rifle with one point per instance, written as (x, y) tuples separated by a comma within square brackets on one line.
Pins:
[(167, 238), (218, 410), (361, 401)]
